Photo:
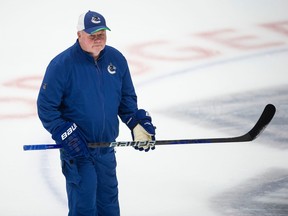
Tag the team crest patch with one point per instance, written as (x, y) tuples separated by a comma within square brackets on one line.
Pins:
[(95, 20), (44, 86), (111, 68)]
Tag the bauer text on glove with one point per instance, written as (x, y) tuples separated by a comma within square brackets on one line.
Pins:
[(70, 137)]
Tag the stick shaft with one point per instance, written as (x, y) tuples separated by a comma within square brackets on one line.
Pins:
[(261, 124)]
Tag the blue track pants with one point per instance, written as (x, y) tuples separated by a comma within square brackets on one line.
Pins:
[(91, 184)]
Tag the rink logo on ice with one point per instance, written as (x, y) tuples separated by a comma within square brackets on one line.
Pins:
[(69, 131), (95, 20), (111, 68)]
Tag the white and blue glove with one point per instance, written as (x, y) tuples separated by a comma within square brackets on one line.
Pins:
[(142, 128), (70, 137)]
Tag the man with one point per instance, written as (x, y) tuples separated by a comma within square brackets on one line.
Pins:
[(84, 90)]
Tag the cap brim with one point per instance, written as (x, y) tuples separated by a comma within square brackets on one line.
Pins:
[(94, 30)]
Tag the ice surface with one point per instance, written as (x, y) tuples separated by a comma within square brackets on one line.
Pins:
[(202, 68)]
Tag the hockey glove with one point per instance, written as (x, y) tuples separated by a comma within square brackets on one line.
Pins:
[(142, 128), (70, 137)]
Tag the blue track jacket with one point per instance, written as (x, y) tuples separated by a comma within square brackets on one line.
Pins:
[(91, 93)]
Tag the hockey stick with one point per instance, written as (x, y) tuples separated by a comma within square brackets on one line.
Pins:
[(260, 125)]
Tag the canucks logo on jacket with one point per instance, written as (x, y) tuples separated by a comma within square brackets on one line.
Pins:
[(111, 68)]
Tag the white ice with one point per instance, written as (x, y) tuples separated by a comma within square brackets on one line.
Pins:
[(174, 66)]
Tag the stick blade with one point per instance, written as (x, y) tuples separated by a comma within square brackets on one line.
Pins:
[(264, 120)]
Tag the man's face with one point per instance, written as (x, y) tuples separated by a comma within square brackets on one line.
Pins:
[(92, 43)]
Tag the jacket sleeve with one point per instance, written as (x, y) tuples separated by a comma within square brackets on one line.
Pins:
[(50, 97), (128, 104)]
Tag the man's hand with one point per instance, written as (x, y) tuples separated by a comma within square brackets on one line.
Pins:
[(70, 137), (142, 128)]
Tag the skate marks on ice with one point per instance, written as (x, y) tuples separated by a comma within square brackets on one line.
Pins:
[(265, 195), (236, 114), (51, 178)]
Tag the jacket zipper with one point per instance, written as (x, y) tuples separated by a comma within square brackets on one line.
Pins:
[(100, 74)]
